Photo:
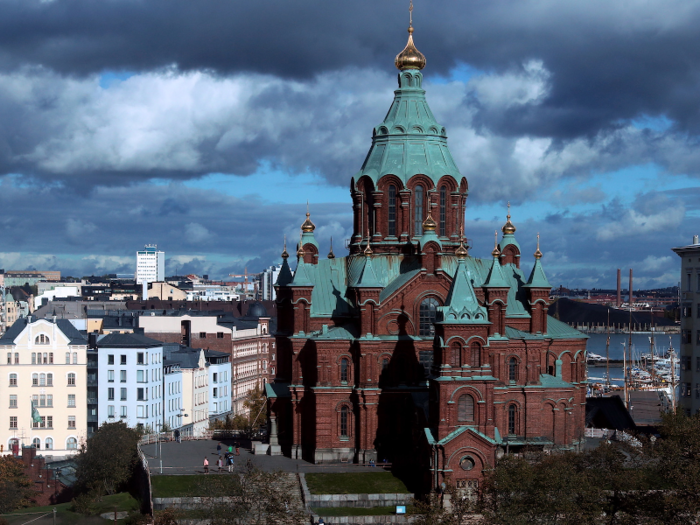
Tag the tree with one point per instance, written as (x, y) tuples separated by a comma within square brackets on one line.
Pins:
[(256, 403), (436, 511), (105, 463), (16, 489), (251, 497)]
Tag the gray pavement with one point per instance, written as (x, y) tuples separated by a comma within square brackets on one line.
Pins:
[(188, 458)]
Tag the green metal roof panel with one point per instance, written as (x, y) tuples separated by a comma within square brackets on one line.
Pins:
[(368, 277), (462, 305), (507, 239), (495, 278), (558, 330), (537, 277), (397, 283), (302, 275), (329, 296)]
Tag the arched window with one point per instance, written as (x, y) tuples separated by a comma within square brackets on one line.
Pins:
[(428, 315), (36, 443), (13, 379), (344, 365), (49, 379), (465, 408), (71, 379), (392, 211), (385, 364), (42, 379), (35, 379), (49, 444), (475, 357), (344, 412), (456, 354), (418, 198), (443, 209), (41, 339), (72, 443), (512, 369), (512, 418)]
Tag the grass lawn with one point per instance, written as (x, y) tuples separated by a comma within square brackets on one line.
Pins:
[(64, 516), (194, 485), (354, 483), (354, 511)]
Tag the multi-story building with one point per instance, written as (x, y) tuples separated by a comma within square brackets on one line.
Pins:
[(690, 326), (410, 349), (130, 380), (246, 340), (45, 365), (150, 265), (268, 278), (173, 408), (194, 371)]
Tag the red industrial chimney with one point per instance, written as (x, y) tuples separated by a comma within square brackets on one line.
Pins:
[(619, 288)]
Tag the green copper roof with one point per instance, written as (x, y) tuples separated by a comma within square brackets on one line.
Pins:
[(409, 141), (308, 238), (495, 278), (285, 276), (429, 235), (507, 239), (367, 277), (301, 275), (537, 277), (462, 306)]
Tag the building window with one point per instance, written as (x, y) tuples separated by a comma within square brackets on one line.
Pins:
[(344, 422), (17, 358), (139, 394), (72, 443), (42, 400), (49, 444), (686, 336), (685, 362), (465, 408), (49, 379), (9, 358), (68, 358), (428, 315), (33, 358), (71, 379), (41, 340), (456, 354), (71, 400), (215, 377), (50, 358), (75, 358), (123, 394), (13, 379), (418, 198), (140, 376), (71, 422), (392, 211), (123, 360), (36, 443), (475, 355), (110, 376), (139, 358), (110, 394), (443, 209), (512, 369), (110, 410), (512, 415), (344, 365), (219, 335), (35, 379), (122, 376), (689, 279), (13, 401), (13, 421), (42, 379), (202, 335), (49, 400), (123, 411), (110, 359)]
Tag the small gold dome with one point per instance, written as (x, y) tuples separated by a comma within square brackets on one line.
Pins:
[(368, 250), (461, 251), (538, 253), (300, 251), (496, 252), (508, 227), (410, 57), (308, 226), (285, 253), (429, 223)]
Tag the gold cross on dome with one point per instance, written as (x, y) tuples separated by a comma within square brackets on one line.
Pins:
[(410, 14)]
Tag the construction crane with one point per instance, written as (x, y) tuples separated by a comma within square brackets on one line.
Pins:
[(245, 275)]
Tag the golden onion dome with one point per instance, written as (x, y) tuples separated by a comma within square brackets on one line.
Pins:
[(300, 251), (508, 227), (461, 251), (538, 253), (410, 57), (285, 253), (429, 223), (496, 252), (308, 226)]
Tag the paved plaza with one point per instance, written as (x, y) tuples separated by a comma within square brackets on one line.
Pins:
[(188, 458)]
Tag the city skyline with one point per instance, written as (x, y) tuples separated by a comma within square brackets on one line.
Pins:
[(583, 117)]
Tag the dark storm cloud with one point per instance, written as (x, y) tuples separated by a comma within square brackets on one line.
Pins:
[(608, 60)]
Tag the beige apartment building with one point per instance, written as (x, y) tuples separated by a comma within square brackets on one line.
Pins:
[(44, 363)]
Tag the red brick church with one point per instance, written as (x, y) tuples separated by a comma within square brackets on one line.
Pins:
[(409, 349)]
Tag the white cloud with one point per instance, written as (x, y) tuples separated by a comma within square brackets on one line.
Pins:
[(197, 234), (528, 85), (633, 223)]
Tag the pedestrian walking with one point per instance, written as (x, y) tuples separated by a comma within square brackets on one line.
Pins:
[(206, 465), (230, 463), (230, 449), (218, 449), (177, 435), (220, 463), (238, 452)]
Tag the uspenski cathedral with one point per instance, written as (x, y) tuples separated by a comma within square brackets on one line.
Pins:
[(409, 350)]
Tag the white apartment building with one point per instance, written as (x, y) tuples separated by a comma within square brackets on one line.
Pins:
[(130, 380), (195, 387), (173, 408), (268, 278), (44, 363), (219, 383), (150, 265), (690, 326)]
